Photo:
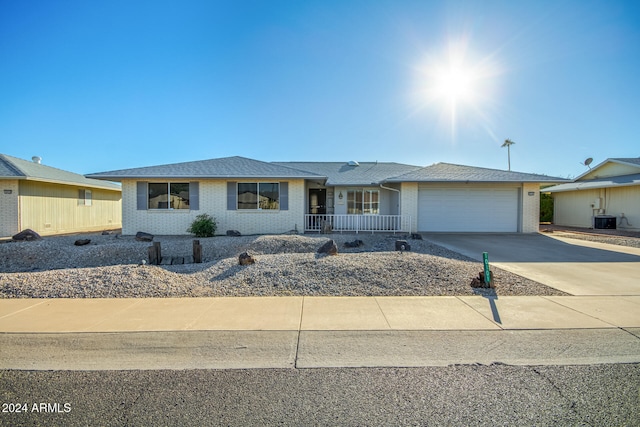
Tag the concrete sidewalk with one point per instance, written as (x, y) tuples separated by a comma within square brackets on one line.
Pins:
[(318, 313), (304, 332)]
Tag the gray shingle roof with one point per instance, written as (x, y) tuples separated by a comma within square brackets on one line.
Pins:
[(341, 173), (226, 167), (632, 160), (15, 168), (590, 184), (447, 172)]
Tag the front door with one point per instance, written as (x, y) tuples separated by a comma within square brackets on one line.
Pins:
[(317, 201)]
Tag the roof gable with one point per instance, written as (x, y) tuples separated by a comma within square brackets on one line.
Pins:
[(592, 184), (225, 167), (15, 168), (8, 169), (353, 173), (612, 167), (447, 172)]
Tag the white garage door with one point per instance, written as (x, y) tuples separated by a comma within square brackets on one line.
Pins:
[(472, 210)]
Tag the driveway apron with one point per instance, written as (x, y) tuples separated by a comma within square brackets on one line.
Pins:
[(570, 265)]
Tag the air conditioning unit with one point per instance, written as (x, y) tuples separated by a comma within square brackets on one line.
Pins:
[(605, 222)]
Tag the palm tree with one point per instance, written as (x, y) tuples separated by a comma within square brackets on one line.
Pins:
[(508, 143)]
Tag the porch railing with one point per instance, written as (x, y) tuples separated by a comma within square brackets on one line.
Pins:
[(357, 223)]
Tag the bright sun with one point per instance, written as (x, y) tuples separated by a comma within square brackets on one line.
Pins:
[(457, 83), (453, 84)]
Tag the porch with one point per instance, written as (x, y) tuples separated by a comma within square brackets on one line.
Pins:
[(358, 223)]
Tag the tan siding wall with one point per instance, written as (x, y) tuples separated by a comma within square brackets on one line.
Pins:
[(624, 200), (213, 201), (573, 208), (9, 208), (53, 209)]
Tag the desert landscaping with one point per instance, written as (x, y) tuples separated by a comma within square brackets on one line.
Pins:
[(116, 266)]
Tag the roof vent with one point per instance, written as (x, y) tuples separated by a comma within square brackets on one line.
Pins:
[(36, 159), (353, 163)]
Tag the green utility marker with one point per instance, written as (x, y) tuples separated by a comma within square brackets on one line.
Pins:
[(487, 273)]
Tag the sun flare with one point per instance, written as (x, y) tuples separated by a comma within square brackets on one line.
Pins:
[(454, 84), (458, 83)]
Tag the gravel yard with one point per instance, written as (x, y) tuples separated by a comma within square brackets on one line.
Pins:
[(112, 266), (614, 237)]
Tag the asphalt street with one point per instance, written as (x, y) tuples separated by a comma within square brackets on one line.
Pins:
[(457, 395)]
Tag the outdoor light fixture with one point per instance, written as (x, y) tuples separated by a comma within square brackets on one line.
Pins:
[(340, 196)]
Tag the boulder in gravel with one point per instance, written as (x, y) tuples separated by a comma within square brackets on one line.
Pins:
[(234, 233), (26, 235), (402, 245), (82, 242), (329, 248), (478, 282), (144, 237), (355, 244), (245, 259)]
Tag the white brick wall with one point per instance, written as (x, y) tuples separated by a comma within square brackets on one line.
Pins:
[(9, 207), (213, 201), (530, 208)]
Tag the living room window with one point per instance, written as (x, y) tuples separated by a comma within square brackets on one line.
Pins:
[(258, 195), (168, 195)]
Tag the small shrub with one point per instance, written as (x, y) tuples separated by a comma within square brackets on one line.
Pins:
[(203, 226)]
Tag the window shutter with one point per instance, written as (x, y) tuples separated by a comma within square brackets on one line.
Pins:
[(80, 197), (231, 196), (141, 195), (194, 196), (284, 196)]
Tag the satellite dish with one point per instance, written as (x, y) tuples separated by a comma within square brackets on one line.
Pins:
[(587, 162)]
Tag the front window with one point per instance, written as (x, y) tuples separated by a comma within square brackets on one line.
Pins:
[(363, 201), (259, 195), (169, 195)]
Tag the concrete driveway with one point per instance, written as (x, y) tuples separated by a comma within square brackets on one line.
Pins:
[(573, 266)]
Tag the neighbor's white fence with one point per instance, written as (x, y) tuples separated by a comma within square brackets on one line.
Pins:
[(357, 223)]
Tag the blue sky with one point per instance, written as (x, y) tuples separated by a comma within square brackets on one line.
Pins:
[(93, 86)]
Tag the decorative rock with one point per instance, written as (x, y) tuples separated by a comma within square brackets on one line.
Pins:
[(478, 282), (144, 237), (82, 242), (416, 236), (107, 233), (27, 235), (329, 248), (246, 259), (355, 244), (402, 245), (234, 233)]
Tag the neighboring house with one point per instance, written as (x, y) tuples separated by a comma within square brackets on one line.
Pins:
[(52, 201), (606, 195), (257, 197)]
